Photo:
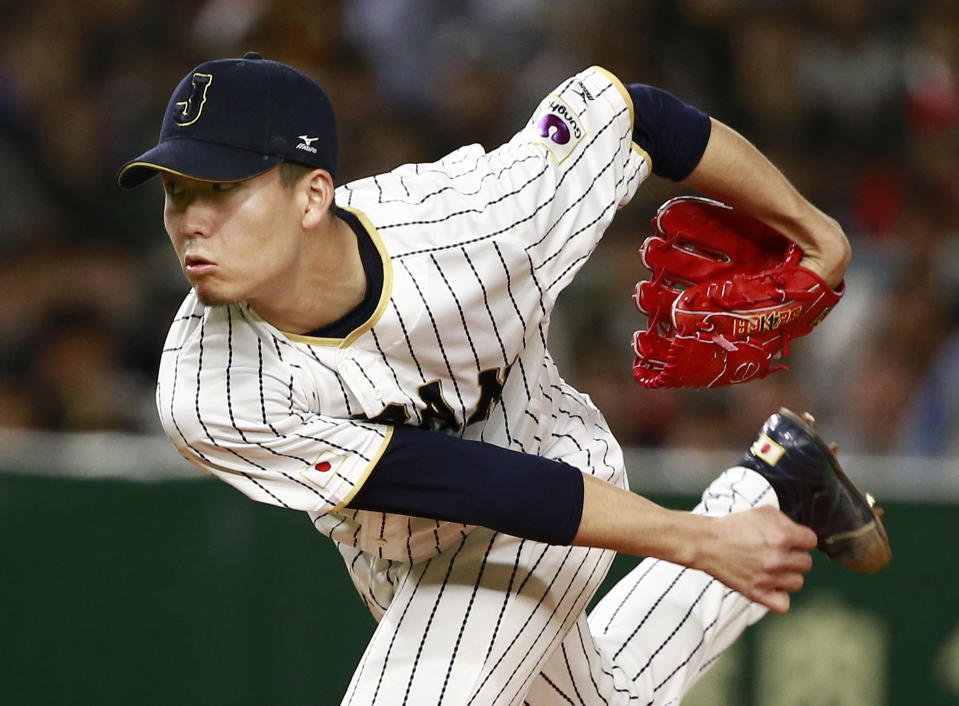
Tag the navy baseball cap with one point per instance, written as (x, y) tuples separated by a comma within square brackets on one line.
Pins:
[(231, 119)]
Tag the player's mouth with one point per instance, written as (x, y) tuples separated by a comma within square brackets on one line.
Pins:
[(197, 266)]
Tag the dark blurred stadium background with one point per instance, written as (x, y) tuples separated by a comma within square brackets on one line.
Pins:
[(856, 100)]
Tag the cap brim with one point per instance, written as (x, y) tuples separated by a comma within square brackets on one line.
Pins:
[(195, 159)]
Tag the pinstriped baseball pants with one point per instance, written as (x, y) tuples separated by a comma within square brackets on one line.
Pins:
[(499, 620)]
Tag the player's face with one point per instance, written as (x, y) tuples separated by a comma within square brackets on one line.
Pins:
[(236, 240)]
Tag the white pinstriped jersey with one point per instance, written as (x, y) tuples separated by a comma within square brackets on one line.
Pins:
[(475, 249)]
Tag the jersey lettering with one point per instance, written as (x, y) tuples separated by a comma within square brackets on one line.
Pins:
[(437, 413), (393, 414), (491, 388)]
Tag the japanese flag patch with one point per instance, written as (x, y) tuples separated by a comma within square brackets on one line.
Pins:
[(320, 473), (767, 449)]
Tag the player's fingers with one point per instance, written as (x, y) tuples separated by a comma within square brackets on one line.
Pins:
[(790, 581), (799, 560), (792, 535), (776, 601), (793, 562), (802, 537)]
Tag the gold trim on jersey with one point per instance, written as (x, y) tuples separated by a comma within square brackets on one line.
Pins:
[(385, 294), (366, 474), (619, 86)]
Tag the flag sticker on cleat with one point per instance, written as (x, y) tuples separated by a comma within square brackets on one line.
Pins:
[(767, 449)]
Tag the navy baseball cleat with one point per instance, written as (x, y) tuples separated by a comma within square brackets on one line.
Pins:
[(813, 491)]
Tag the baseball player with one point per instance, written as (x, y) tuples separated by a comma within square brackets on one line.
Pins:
[(375, 355)]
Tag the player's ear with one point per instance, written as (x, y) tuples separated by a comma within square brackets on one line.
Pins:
[(318, 188)]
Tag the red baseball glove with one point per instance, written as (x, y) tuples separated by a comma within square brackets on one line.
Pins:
[(725, 297)]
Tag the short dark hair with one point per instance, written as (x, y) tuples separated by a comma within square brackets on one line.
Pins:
[(292, 172)]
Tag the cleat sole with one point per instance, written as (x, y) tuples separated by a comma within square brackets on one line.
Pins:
[(865, 550)]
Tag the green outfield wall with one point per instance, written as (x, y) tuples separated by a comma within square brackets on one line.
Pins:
[(185, 592)]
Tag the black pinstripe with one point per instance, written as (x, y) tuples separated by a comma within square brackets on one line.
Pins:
[(546, 606), (406, 337), (496, 332), (693, 652), (466, 617), (505, 652), (602, 559), (379, 683), (506, 598), (229, 403), (439, 341), (573, 206), (429, 622), (409, 540), (346, 397), (389, 366), (172, 411), (527, 623), (459, 308), (519, 314), (495, 176), (588, 659), (463, 212), (677, 627), (558, 691), (206, 430), (572, 678)]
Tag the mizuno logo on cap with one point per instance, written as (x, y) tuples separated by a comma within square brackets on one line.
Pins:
[(307, 143)]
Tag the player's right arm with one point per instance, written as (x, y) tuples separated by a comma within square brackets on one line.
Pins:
[(228, 399), (760, 553)]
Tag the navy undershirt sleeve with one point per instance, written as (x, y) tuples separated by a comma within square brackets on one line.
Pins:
[(428, 474), (673, 133)]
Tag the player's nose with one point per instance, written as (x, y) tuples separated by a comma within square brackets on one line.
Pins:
[(196, 221)]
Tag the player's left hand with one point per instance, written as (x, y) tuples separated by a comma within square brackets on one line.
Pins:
[(762, 554)]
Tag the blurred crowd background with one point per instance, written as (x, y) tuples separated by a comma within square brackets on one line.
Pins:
[(857, 101)]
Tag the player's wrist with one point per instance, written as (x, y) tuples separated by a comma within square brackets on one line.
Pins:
[(689, 540), (826, 250), (682, 538)]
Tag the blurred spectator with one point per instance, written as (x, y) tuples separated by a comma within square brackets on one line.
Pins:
[(858, 102), (77, 369), (929, 425)]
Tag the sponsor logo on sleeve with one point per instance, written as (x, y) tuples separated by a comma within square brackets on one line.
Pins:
[(559, 129), (583, 93)]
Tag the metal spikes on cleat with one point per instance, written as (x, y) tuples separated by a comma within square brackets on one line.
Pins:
[(813, 491)]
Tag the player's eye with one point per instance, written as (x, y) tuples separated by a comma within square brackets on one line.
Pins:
[(173, 188), (224, 186)]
